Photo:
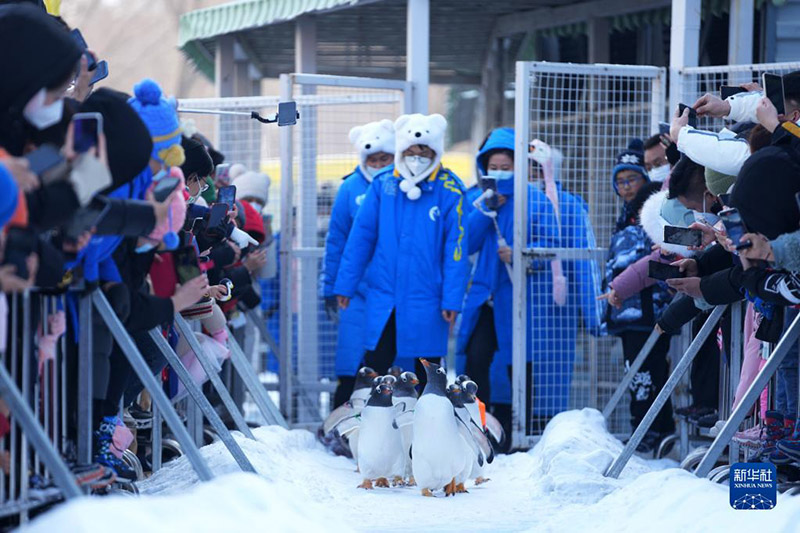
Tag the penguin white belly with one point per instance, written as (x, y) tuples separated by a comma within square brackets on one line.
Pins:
[(437, 449), (380, 448), (467, 464)]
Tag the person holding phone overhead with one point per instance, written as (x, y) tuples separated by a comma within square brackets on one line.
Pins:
[(411, 233), (633, 319)]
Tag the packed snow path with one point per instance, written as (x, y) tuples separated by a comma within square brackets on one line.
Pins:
[(557, 486)]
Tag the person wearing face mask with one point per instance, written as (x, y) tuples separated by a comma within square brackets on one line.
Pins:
[(375, 145), (484, 342), (411, 233), (655, 159)]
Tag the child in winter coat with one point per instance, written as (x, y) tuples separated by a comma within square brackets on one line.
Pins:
[(633, 319)]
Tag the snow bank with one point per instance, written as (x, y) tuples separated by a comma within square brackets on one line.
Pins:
[(557, 486)]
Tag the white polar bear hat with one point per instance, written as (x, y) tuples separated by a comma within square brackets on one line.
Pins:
[(417, 129), (371, 139)]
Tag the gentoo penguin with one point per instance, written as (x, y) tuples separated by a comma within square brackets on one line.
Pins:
[(342, 424), (476, 436), (438, 452), (405, 398), (380, 455), (395, 371), (478, 411)]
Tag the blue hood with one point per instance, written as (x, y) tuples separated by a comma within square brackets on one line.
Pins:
[(499, 139)]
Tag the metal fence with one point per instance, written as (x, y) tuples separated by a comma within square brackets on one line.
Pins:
[(315, 156), (587, 114)]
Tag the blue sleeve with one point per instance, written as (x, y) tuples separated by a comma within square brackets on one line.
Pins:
[(335, 241), (587, 272), (455, 265), (360, 243), (479, 229), (107, 270), (543, 227)]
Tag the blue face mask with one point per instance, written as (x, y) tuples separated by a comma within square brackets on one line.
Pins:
[(161, 174), (146, 247), (501, 175)]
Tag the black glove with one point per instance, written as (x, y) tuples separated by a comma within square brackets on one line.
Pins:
[(332, 308)]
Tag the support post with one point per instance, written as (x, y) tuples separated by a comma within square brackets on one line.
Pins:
[(599, 31), (85, 373), (641, 357), (684, 45), (285, 257), (418, 51), (740, 38)]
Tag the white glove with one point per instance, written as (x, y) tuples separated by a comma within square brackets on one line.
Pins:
[(242, 239), (89, 176)]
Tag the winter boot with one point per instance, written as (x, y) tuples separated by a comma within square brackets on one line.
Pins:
[(789, 447), (774, 431), (104, 440)]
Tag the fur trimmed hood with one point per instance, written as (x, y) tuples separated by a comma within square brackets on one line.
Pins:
[(659, 211)]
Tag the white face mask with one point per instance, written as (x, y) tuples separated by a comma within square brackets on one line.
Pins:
[(418, 164), (501, 175), (659, 173), (43, 116), (372, 171)]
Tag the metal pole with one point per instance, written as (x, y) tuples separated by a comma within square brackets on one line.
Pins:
[(732, 424), (286, 259), (418, 19), (628, 377), (145, 375), (735, 367), (156, 434), (28, 424), (201, 401), (203, 358), (259, 394), (666, 391), (85, 384)]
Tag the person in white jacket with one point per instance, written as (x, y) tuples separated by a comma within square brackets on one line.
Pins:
[(723, 151)]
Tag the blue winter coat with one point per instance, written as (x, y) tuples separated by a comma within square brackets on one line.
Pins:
[(351, 335), (419, 260)]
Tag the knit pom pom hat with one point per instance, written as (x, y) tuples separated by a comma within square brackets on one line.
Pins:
[(630, 159), (161, 118)]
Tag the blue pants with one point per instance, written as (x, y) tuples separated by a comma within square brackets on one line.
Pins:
[(786, 388)]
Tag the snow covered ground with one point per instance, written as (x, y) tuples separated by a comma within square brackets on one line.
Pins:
[(557, 486)]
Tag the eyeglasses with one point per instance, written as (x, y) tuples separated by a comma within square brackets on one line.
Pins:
[(628, 182)]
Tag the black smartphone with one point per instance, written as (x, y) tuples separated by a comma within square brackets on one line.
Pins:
[(216, 215), (683, 236), (227, 195), (287, 113), (164, 188), (85, 219), (78, 36), (726, 91), (734, 227), (187, 267), (99, 73), (45, 158), (692, 114), (773, 89), (86, 129), (663, 128), (663, 271)]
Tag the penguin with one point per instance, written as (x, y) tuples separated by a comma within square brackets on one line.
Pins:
[(342, 424), (478, 411), (405, 398), (380, 456), (395, 371), (438, 451), (475, 436)]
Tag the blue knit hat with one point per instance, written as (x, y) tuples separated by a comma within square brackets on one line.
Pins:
[(631, 158), (9, 195), (161, 118)]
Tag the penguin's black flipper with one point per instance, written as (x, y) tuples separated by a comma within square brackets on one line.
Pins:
[(467, 435), (394, 424), (409, 452)]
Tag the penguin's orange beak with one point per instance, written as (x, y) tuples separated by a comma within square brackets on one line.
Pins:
[(424, 362), (373, 374), (415, 381)]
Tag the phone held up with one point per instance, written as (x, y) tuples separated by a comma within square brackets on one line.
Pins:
[(682, 236), (692, 114), (773, 89), (86, 130), (726, 91), (663, 271), (734, 227)]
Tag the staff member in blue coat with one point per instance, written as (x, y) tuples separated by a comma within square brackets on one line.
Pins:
[(375, 144), (485, 336), (411, 228)]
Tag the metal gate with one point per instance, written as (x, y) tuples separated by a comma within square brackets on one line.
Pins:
[(318, 152), (587, 114)]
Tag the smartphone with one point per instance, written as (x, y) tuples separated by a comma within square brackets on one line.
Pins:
[(683, 236), (187, 266), (78, 37), (663, 128), (663, 271), (216, 215), (227, 195), (85, 219), (773, 89), (222, 173), (287, 113), (726, 91), (734, 227), (164, 188), (86, 129), (45, 158), (692, 114), (99, 73)]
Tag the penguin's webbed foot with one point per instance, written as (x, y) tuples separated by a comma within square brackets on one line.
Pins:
[(382, 482), (460, 489), (450, 488), (367, 484), (398, 481), (480, 480), (411, 482), (427, 492)]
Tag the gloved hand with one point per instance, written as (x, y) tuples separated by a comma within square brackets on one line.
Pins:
[(332, 308), (242, 238)]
